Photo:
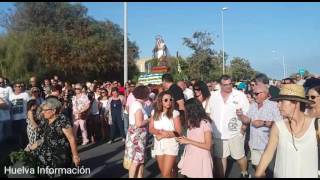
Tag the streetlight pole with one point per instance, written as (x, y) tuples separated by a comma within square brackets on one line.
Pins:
[(284, 68), (125, 48), (283, 65), (223, 66)]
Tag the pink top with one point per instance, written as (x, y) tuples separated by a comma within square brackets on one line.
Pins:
[(197, 162)]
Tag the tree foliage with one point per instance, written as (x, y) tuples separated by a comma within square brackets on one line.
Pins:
[(241, 70), (47, 38), (204, 63)]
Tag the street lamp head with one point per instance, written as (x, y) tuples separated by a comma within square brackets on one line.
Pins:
[(225, 8)]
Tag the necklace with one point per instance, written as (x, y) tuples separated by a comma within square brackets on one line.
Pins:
[(293, 141), (301, 129)]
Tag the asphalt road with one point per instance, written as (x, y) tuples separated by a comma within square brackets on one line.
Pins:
[(105, 161)]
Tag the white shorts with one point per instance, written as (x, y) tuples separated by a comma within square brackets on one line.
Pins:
[(256, 156), (168, 146), (223, 148)]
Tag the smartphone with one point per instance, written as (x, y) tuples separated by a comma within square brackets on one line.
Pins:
[(176, 133)]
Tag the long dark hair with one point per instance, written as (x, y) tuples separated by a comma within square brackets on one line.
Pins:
[(203, 88), (195, 113), (158, 108), (31, 103)]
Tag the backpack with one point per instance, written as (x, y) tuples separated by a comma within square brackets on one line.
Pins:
[(316, 125)]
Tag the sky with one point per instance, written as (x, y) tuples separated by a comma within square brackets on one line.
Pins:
[(265, 33)]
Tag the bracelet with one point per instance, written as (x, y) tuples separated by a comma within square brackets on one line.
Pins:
[(265, 123)]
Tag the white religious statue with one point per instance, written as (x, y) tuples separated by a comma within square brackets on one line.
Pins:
[(160, 51)]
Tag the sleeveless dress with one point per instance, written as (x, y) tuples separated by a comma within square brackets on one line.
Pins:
[(296, 164)]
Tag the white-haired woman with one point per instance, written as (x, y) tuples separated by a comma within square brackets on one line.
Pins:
[(57, 148)]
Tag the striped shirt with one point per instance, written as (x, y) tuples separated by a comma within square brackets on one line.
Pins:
[(269, 111)]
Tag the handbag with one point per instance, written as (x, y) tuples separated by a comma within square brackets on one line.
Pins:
[(126, 162), (126, 159), (180, 164)]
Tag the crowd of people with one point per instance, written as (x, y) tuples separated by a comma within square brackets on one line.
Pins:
[(195, 126)]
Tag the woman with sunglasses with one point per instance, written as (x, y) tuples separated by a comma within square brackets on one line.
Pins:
[(35, 94), (314, 95), (202, 93), (165, 126), (80, 107), (57, 147), (104, 112), (314, 111)]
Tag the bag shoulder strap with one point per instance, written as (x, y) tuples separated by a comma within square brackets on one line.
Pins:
[(316, 123)]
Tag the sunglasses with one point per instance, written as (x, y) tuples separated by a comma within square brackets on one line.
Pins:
[(256, 94), (45, 110), (166, 100), (77, 88), (311, 97), (35, 91), (197, 89)]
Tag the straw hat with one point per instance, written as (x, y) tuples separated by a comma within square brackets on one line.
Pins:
[(292, 92)]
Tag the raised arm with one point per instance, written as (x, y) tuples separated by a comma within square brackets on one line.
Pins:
[(32, 120)]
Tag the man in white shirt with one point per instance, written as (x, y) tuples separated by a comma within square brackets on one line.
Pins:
[(4, 90), (19, 101), (5, 119), (228, 130)]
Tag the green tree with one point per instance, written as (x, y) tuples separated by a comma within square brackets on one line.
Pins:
[(46, 38), (203, 63), (240, 69)]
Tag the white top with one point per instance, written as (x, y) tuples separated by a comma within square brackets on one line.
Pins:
[(225, 120), (129, 100), (96, 96), (5, 113), (5, 92), (164, 123), (133, 108), (19, 105), (104, 105), (296, 164), (188, 94)]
